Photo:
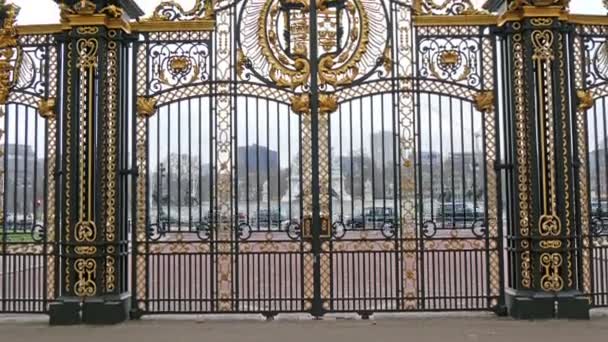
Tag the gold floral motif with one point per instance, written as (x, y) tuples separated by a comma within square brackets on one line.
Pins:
[(300, 103), (146, 106), (46, 108), (585, 100), (449, 57), (484, 101), (328, 103)]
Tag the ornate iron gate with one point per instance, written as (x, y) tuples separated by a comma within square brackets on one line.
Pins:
[(590, 57), (28, 170), (272, 181), (277, 156)]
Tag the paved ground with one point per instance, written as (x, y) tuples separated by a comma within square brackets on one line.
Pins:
[(451, 328)]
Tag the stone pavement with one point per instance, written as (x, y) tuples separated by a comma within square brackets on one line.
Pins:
[(419, 328)]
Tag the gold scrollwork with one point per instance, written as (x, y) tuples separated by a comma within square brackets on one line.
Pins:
[(87, 30), (146, 106), (549, 225), (85, 231), (541, 21), (447, 7), (85, 273), (46, 108), (348, 71), (10, 52), (551, 279), (87, 53), (550, 244), (85, 250), (241, 62), (173, 11), (543, 45)]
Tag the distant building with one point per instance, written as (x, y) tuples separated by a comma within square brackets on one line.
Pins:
[(25, 177), (463, 175), (252, 157), (598, 178), (383, 149)]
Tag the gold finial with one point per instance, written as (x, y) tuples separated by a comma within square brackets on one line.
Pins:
[(85, 7)]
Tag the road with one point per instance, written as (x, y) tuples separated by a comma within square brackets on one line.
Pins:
[(419, 328)]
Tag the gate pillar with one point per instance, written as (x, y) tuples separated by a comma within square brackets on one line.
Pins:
[(542, 239), (94, 239)]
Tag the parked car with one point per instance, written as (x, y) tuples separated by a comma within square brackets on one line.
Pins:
[(459, 212), (372, 218), (215, 217), (599, 209), (266, 218)]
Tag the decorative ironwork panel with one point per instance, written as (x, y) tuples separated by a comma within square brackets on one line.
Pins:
[(590, 61), (262, 190), (28, 169)]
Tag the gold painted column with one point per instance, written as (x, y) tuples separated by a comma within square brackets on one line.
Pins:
[(94, 241), (542, 232)]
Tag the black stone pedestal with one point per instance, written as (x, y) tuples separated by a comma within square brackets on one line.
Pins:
[(572, 305), (65, 311), (106, 310), (530, 305), (543, 305)]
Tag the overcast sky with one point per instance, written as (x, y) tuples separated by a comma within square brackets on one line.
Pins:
[(459, 127), (45, 11)]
